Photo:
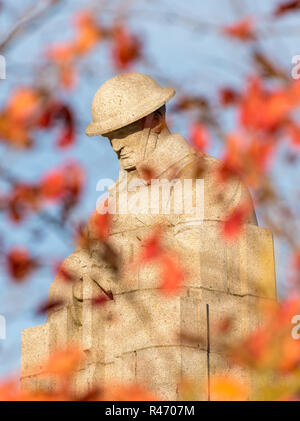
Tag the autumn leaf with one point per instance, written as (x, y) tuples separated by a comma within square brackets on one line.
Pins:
[(129, 392), (267, 110), (296, 265), (228, 96), (21, 200), (74, 179), (271, 346), (52, 185), (190, 389), (49, 305), (199, 136), (126, 47), (224, 325), (290, 355), (63, 272), (293, 131), (232, 227), (285, 7), (242, 30), (23, 104), (102, 225), (66, 137), (147, 173), (172, 274), (64, 362), (18, 116), (63, 183), (246, 158), (267, 68), (228, 388), (20, 264), (58, 112), (151, 248), (62, 52), (102, 298), (153, 251), (101, 221), (88, 32), (65, 54), (16, 135)]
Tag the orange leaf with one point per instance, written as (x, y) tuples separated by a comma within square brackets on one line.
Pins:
[(131, 392), (293, 130), (224, 388), (20, 264), (52, 185), (151, 248), (172, 274), (242, 30), (88, 34), (233, 225), (23, 104), (101, 221), (64, 362), (199, 136)]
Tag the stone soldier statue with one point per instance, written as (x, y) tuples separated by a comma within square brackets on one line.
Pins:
[(135, 337)]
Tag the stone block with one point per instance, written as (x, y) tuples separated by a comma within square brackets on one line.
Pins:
[(156, 366), (220, 365), (35, 349), (243, 267)]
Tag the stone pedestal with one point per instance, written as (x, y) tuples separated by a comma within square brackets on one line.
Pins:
[(136, 336)]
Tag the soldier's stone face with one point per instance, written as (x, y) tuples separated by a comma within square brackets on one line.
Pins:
[(126, 142)]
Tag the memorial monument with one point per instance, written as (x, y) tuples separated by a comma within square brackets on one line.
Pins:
[(137, 335)]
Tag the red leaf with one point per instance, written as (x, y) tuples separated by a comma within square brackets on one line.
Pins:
[(103, 298), (224, 325), (74, 179), (66, 137), (151, 248), (286, 7), (172, 275), (64, 362), (52, 185), (19, 263), (62, 272), (63, 183), (22, 199), (127, 47), (293, 130), (147, 173), (232, 227), (49, 305), (199, 136), (242, 30), (228, 96)]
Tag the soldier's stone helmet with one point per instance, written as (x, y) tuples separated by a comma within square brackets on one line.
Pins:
[(124, 99)]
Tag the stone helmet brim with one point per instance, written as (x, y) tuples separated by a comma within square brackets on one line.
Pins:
[(125, 99)]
